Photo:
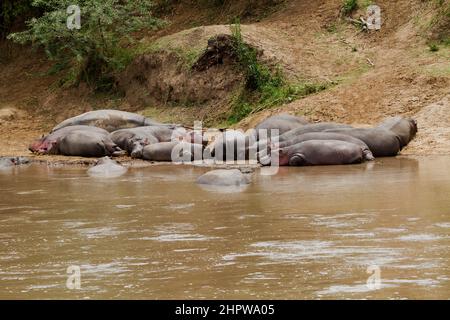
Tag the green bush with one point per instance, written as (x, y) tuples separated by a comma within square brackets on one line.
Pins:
[(433, 47), (349, 6), (12, 10), (263, 88), (99, 48)]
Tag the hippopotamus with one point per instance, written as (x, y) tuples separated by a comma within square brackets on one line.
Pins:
[(106, 168), (46, 143), (110, 120), (224, 177), (314, 127), (263, 158), (282, 122), (176, 151), (8, 162), (231, 145), (320, 152), (382, 142), (404, 128), (86, 144), (134, 140)]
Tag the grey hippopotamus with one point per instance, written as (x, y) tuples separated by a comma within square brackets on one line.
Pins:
[(382, 143), (133, 140), (224, 177), (282, 122), (107, 168), (320, 152), (231, 145), (404, 128), (8, 162), (110, 120), (314, 127), (45, 144), (86, 144), (177, 151), (263, 158)]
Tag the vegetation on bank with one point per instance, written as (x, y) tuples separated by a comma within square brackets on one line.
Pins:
[(263, 88), (96, 51)]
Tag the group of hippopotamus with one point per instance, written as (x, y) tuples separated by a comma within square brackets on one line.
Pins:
[(282, 140)]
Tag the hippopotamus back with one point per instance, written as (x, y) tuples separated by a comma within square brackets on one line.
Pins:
[(314, 127), (110, 120), (282, 122), (86, 144), (382, 143)]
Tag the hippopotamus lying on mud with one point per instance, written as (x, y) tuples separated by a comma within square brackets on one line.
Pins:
[(80, 140), (264, 157), (282, 122), (133, 140), (320, 152), (110, 120), (231, 145), (176, 151), (382, 143)]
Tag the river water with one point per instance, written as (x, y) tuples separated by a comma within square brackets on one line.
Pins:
[(154, 234)]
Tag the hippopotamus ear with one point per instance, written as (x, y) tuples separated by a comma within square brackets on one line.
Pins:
[(297, 160), (414, 122)]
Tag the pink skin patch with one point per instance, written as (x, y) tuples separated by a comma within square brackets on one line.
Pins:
[(283, 158), (41, 146)]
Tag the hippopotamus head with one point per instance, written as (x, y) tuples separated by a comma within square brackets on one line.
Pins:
[(292, 159), (413, 124), (41, 145), (137, 148), (195, 137)]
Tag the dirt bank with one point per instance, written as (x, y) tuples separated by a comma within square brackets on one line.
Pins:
[(375, 74)]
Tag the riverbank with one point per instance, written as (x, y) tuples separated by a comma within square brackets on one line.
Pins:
[(370, 75)]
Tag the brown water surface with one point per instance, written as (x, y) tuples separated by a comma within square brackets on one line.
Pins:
[(303, 233)]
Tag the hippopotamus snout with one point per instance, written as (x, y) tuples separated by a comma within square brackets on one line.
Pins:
[(41, 146)]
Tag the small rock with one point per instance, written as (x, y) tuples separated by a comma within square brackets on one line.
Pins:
[(7, 114)]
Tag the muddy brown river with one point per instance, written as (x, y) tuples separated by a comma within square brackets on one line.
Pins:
[(315, 233)]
